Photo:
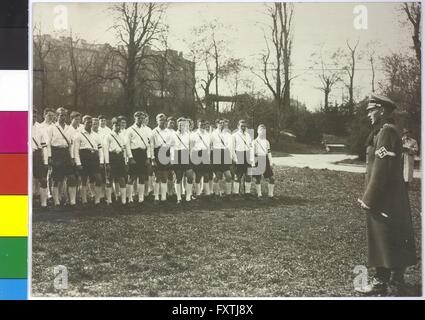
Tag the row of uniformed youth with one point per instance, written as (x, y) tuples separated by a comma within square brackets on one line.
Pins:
[(172, 158)]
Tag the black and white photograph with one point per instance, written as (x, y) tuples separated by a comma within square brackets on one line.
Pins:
[(219, 149)]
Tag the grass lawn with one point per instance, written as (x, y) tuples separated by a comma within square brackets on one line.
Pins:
[(306, 243), (287, 146), (355, 161)]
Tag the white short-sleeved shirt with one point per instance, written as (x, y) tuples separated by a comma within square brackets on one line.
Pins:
[(88, 141), (201, 140), (221, 140), (261, 147), (138, 138), (113, 143), (38, 141), (161, 137), (59, 136), (242, 141)]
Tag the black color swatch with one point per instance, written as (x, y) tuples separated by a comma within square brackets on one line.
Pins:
[(13, 48), (13, 14)]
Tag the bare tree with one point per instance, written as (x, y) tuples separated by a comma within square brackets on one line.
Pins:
[(231, 73), (276, 60), (137, 26), (208, 50), (87, 63), (41, 49), (413, 12), (350, 70), (159, 67), (328, 73), (370, 53)]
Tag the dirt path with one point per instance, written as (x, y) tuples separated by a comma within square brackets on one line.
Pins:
[(324, 161)]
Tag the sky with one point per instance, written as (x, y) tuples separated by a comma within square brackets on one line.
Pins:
[(316, 25)]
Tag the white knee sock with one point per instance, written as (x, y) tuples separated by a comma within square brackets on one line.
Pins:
[(189, 187), (123, 192), (163, 191), (156, 188), (84, 194), (258, 187), (198, 189), (97, 194), (72, 195), (141, 192), (108, 192), (55, 194), (236, 187), (129, 190), (178, 187), (91, 189), (228, 188), (35, 187), (207, 189), (201, 184), (117, 190), (247, 187), (271, 189), (43, 197), (149, 188), (170, 188), (216, 188)]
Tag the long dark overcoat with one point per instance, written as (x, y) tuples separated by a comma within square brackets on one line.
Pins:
[(389, 224)]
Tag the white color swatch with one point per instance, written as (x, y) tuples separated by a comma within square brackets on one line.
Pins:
[(14, 90)]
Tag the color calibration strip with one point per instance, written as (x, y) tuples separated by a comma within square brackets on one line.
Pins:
[(14, 150)]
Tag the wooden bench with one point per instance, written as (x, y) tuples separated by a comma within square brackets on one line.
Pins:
[(332, 147)]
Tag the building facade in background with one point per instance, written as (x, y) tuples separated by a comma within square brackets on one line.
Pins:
[(89, 77)]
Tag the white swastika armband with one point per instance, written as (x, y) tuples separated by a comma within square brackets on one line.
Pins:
[(383, 152)]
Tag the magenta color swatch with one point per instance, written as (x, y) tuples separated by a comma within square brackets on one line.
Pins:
[(13, 132)]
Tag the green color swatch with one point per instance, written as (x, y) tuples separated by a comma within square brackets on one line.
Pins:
[(13, 257)]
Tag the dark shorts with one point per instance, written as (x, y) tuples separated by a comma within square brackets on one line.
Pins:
[(200, 161), (181, 162), (163, 165), (140, 167), (221, 160), (242, 163), (39, 170), (263, 165), (62, 165), (117, 164), (89, 162)]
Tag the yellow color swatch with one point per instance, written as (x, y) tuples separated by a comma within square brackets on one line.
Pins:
[(13, 216)]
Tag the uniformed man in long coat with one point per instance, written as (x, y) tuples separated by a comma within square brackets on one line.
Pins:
[(410, 149), (391, 244)]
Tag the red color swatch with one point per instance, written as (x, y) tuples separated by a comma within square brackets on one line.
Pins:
[(13, 174)]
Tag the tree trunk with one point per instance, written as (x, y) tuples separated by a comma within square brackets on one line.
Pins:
[(326, 100), (373, 73), (216, 80)]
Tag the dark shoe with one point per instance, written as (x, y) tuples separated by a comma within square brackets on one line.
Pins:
[(57, 208), (248, 196)]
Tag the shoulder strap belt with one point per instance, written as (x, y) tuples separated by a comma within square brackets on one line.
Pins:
[(87, 140), (143, 140), (67, 142)]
